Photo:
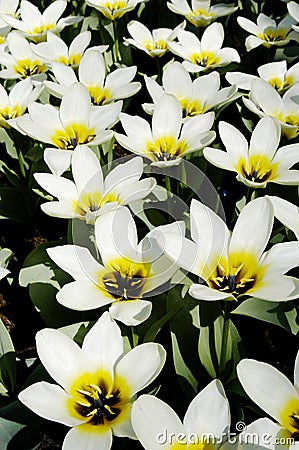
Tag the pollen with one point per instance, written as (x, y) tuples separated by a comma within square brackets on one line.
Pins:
[(272, 36), (73, 135), (204, 59), (155, 45), (7, 113), (115, 9), (259, 169), (97, 398), (41, 29), (93, 201), (237, 275), (125, 279), (289, 417), (165, 149), (99, 95), (27, 67), (191, 107), (71, 60)]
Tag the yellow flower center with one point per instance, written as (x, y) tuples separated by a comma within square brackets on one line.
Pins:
[(73, 135), (290, 119), (93, 201), (98, 95), (271, 36), (72, 60), (258, 169), (124, 279), (191, 107), (165, 149), (237, 275), (200, 17), (41, 29), (289, 417), (99, 400), (276, 82), (204, 59), (26, 67), (2, 39), (7, 113), (114, 9), (155, 45)]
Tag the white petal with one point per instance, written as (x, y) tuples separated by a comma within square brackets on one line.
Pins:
[(79, 44), (58, 161), (103, 342), (282, 257), (248, 25), (266, 386), (167, 117), (59, 187), (75, 106), (141, 366), (154, 421), (48, 401), (83, 295), (211, 402), (79, 440), (139, 32), (129, 171), (62, 209), (266, 97), (274, 288), (201, 292), (265, 138), (62, 357), (92, 69), (116, 235), (87, 171), (53, 12), (219, 158), (177, 81), (253, 228), (234, 141), (212, 37), (286, 213), (131, 312), (77, 261)]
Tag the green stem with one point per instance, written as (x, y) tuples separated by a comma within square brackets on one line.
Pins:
[(225, 334), (115, 50), (135, 337), (167, 183)]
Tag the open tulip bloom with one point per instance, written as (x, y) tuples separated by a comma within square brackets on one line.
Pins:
[(169, 139), (34, 24), (259, 163), (96, 383), (201, 12), (76, 122), (206, 422), (14, 104), (113, 9), (273, 392), (266, 32), (21, 62), (92, 74), (56, 50), (196, 97), (205, 54), (89, 194), (153, 43), (275, 73), (264, 100), (129, 273), (231, 265)]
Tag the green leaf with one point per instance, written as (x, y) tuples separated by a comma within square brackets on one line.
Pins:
[(19, 427), (44, 279), (8, 371), (283, 314), (184, 338), (13, 205)]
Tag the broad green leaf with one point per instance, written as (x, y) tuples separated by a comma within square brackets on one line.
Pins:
[(283, 314), (8, 370)]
